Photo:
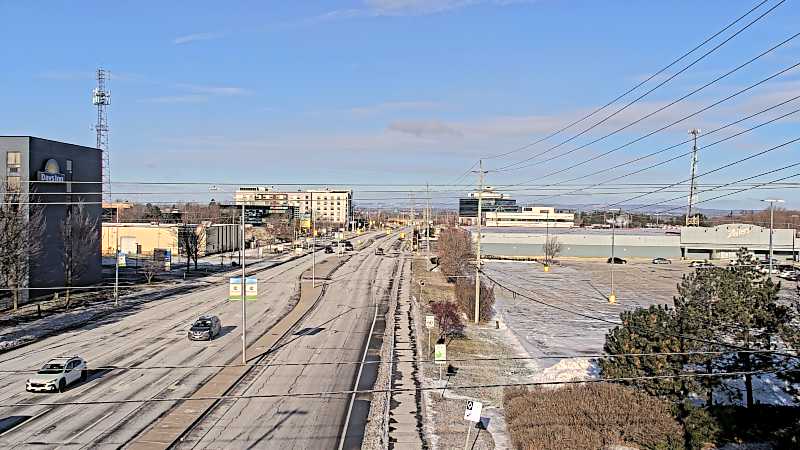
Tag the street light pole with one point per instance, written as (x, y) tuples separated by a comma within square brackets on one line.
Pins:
[(771, 228), (244, 297), (794, 235), (481, 172)]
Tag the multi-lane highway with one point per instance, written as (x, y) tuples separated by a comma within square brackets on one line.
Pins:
[(155, 335)]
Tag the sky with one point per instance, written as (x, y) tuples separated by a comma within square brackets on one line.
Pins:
[(406, 91)]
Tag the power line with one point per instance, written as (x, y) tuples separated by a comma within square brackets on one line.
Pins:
[(655, 74), (506, 167), (409, 389), (400, 360)]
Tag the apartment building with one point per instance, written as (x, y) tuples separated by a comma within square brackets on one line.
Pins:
[(328, 205)]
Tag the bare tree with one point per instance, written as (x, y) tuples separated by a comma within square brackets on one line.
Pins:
[(455, 252), (79, 233), (190, 240), (150, 269), (552, 248), (21, 230)]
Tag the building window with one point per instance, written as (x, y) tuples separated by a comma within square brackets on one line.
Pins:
[(13, 166), (13, 183)]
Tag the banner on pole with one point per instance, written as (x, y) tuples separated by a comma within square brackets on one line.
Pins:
[(440, 354), (235, 288)]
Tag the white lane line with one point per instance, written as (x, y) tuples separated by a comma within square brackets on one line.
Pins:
[(24, 422), (75, 436)]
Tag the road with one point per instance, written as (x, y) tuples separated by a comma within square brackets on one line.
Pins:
[(335, 331), (152, 335)]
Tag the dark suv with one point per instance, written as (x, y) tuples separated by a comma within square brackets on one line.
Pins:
[(348, 246), (616, 260), (205, 328)]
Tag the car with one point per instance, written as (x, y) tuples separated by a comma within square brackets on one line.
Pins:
[(790, 275), (205, 328), (661, 261), (328, 249), (379, 251), (700, 264), (57, 374), (348, 245), (617, 260)]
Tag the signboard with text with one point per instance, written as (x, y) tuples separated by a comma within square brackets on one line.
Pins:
[(473, 411), (440, 354)]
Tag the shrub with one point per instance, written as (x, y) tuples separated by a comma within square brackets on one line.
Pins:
[(448, 318), (465, 296), (589, 416)]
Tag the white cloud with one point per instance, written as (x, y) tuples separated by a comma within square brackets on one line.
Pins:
[(386, 107), (188, 38), (214, 90), (175, 99), (389, 8)]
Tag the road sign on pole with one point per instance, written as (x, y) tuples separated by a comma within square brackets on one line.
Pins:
[(473, 411), (440, 354), (235, 288), (430, 321)]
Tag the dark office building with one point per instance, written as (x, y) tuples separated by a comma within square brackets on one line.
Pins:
[(50, 175), (492, 202)]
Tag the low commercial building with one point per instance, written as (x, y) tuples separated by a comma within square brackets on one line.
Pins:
[(328, 205), (693, 243), (491, 202), (56, 177), (144, 238), (532, 217)]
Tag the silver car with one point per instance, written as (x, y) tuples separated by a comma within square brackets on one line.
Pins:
[(205, 328)]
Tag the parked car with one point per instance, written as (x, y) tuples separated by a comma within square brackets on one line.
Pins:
[(57, 374), (348, 246), (616, 260), (205, 328), (790, 275), (379, 251), (661, 261), (700, 264), (328, 249)]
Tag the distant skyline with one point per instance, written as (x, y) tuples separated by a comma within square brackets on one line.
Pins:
[(401, 91)]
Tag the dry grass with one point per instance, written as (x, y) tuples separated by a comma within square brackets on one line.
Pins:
[(589, 417)]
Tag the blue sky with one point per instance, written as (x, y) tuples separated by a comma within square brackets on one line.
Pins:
[(390, 91)]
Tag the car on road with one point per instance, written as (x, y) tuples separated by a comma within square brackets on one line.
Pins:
[(348, 246), (790, 275), (328, 249), (57, 374), (616, 260), (661, 261), (205, 328), (379, 251)]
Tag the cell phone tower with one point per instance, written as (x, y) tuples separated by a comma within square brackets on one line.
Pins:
[(690, 220), (101, 97)]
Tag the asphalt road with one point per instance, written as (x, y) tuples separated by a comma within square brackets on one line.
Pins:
[(154, 334), (335, 331)]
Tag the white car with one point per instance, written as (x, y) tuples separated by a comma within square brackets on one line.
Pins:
[(57, 374)]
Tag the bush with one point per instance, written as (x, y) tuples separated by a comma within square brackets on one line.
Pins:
[(701, 427), (448, 318), (589, 417), (465, 296)]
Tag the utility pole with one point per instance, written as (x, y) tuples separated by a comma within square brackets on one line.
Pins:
[(313, 245), (692, 186), (481, 173), (428, 220), (244, 297), (116, 265), (612, 297), (771, 228)]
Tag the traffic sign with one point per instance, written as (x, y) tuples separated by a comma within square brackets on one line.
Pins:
[(440, 354), (430, 322), (235, 288), (473, 411), (122, 259)]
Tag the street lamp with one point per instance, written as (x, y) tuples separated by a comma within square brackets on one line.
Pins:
[(771, 223), (794, 235), (612, 297)]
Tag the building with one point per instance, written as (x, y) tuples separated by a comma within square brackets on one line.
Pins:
[(692, 243), (328, 205), (532, 217), (55, 176), (145, 238), (492, 202), (262, 214)]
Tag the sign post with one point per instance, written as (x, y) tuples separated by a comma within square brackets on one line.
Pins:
[(472, 413), (440, 357), (430, 322)]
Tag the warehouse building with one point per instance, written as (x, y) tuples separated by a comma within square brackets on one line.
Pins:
[(693, 243), (55, 176), (532, 217), (145, 238)]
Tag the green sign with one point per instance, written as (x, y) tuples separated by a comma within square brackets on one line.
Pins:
[(440, 354)]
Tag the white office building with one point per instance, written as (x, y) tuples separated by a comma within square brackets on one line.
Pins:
[(533, 217)]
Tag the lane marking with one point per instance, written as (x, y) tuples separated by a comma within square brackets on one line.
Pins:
[(75, 436), (31, 419)]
